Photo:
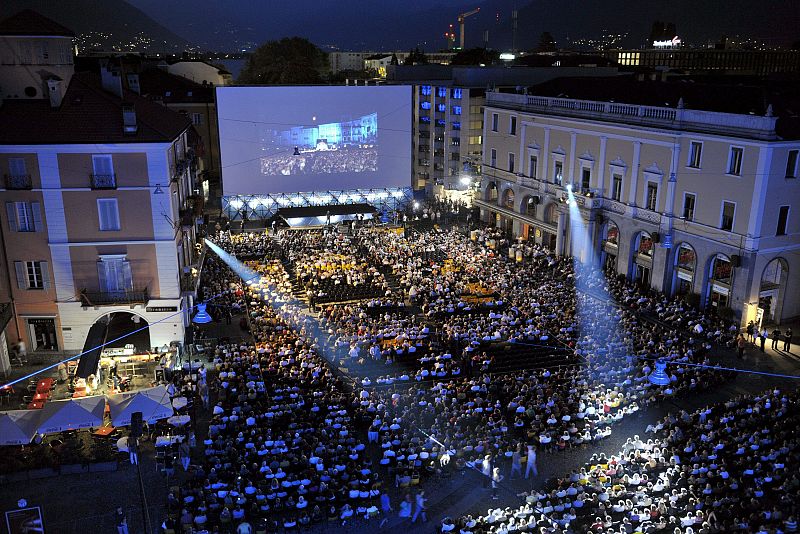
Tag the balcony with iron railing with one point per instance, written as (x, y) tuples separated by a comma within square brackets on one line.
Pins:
[(19, 181), (103, 181), (114, 298)]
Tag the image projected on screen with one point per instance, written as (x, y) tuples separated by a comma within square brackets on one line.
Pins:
[(314, 138), (334, 147)]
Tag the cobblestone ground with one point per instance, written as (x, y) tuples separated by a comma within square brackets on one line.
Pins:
[(77, 504)]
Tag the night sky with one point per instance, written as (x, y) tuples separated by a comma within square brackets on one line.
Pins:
[(389, 24)]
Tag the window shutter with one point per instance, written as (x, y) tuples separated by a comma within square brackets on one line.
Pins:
[(103, 165), (22, 275), (101, 275), (11, 209), (127, 277), (45, 267), (36, 209), (113, 214)]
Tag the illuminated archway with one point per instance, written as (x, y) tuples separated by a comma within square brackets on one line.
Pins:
[(685, 266), (772, 289)]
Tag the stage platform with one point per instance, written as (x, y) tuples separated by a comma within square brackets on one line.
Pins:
[(311, 216)]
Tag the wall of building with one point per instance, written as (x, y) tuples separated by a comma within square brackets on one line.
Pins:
[(640, 155)]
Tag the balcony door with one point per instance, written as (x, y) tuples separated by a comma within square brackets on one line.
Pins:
[(114, 273)]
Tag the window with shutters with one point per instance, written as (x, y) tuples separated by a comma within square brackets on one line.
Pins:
[(24, 216), (114, 274), (32, 274), (108, 214), (17, 167)]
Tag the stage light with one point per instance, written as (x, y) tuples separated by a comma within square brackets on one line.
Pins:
[(466, 180), (202, 316), (569, 187), (659, 376), (416, 205)]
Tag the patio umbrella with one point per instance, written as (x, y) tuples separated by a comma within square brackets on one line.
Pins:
[(154, 403), (17, 427), (72, 414)]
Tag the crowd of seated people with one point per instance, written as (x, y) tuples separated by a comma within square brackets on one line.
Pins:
[(731, 467), (287, 432)]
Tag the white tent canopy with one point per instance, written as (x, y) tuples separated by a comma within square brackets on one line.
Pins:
[(154, 403), (17, 427), (72, 414)]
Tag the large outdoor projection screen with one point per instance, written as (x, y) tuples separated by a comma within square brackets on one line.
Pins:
[(297, 139)]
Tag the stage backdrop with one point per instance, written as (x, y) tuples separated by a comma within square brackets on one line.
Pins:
[(317, 138)]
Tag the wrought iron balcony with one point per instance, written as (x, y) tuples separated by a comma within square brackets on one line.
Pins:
[(113, 298), (103, 181), (18, 181)]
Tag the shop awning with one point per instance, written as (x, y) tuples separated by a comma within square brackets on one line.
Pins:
[(17, 427), (154, 403), (72, 414)]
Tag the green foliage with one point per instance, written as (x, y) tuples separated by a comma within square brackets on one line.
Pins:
[(475, 56), (290, 61)]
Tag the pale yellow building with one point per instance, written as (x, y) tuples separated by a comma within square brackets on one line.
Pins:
[(697, 196)]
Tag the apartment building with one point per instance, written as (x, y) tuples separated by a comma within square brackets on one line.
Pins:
[(688, 188), (448, 123), (97, 224)]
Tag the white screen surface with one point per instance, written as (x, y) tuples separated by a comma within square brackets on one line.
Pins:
[(301, 138)]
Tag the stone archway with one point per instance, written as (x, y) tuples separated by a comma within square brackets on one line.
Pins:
[(491, 193), (772, 289)]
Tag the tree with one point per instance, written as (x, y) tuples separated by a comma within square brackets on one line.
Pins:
[(475, 56), (546, 43), (415, 57), (292, 60)]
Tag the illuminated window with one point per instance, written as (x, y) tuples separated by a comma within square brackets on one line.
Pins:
[(457, 92), (441, 92), (441, 107), (425, 90), (456, 125), (456, 110), (695, 154), (425, 105)]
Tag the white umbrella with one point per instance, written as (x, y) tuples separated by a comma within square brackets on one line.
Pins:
[(179, 402), (17, 427), (154, 404), (72, 414), (178, 420), (122, 444)]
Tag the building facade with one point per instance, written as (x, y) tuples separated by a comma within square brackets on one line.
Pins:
[(97, 220), (684, 201), (712, 60)]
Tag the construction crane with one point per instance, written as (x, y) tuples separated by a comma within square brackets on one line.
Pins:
[(461, 18), (450, 35)]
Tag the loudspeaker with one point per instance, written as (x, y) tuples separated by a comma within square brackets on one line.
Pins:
[(656, 237), (136, 424), (736, 260)]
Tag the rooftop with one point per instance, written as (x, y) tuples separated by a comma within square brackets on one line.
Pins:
[(753, 98), (29, 22), (158, 84), (88, 114)]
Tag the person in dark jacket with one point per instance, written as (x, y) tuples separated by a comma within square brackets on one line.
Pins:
[(776, 336), (787, 340)]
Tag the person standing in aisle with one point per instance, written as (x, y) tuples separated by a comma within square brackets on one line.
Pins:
[(787, 340), (763, 338), (497, 478), (421, 507), (530, 466), (121, 521)]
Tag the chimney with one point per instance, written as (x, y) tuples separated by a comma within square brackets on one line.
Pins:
[(110, 78), (55, 88), (129, 126), (133, 82)]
